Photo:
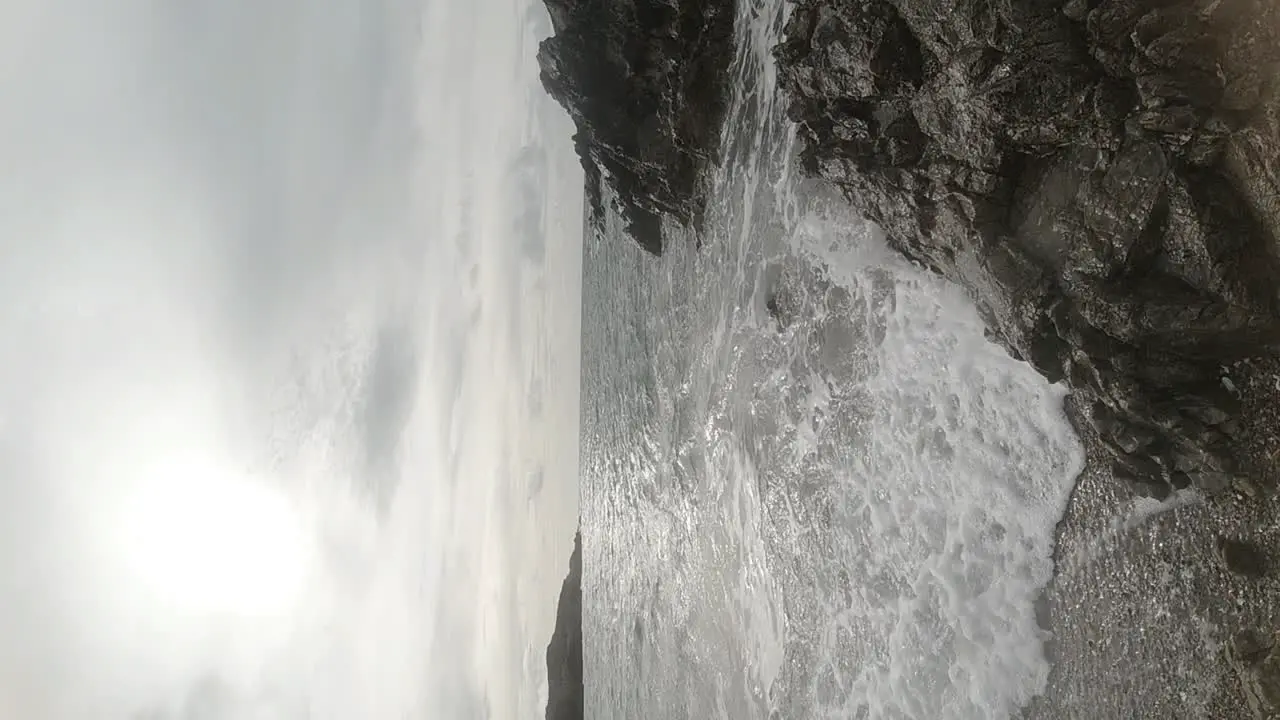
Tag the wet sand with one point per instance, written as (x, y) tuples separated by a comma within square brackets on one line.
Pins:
[(1141, 610)]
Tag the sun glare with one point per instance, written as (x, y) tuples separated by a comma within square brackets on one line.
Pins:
[(219, 543)]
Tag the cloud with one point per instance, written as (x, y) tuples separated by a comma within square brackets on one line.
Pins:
[(390, 387), (536, 479), (256, 321), (528, 176)]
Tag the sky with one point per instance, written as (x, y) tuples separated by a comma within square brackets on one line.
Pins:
[(290, 300)]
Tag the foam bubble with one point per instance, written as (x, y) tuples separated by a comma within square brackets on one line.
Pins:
[(943, 466)]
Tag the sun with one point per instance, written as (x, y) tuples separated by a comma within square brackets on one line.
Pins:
[(199, 539)]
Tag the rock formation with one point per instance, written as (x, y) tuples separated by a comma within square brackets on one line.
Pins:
[(645, 83), (1102, 175), (564, 652)]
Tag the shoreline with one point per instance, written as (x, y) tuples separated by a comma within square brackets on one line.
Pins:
[(1140, 610), (1108, 204)]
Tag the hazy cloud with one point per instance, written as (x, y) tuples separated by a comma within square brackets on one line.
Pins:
[(255, 404)]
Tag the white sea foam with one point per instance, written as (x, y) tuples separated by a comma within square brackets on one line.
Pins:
[(941, 519), (844, 511)]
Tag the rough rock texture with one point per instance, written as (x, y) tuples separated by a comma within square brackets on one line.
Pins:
[(1240, 557), (1257, 662), (1102, 175), (564, 652), (645, 83)]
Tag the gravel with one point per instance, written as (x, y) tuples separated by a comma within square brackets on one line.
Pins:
[(1142, 607)]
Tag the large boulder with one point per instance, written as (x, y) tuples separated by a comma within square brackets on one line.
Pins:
[(1103, 176), (645, 82)]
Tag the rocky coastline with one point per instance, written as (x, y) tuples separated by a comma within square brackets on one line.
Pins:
[(1102, 176)]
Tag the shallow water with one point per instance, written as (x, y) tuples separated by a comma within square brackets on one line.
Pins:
[(810, 487)]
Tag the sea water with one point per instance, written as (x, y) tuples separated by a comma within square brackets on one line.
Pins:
[(811, 488)]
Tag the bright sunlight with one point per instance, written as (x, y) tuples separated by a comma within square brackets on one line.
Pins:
[(201, 541)]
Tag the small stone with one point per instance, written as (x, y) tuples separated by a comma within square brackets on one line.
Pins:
[(1076, 9), (1240, 557)]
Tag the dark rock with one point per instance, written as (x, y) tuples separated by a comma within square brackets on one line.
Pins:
[(564, 653), (1142, 473), (645, 82), (1240, 557), (1180, 480), (1257, 663), (780, 310), (1103, 176), (1246, 488), (1248, 646), (1209, 481)]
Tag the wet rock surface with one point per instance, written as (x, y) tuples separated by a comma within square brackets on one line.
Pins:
[(645, 84), (1257, 660), (1102, 175), (564, 653)]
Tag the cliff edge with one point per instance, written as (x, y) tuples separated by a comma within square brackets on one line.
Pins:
[(1103, 176), (645, 84)]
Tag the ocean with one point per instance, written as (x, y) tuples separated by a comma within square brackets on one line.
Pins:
[(811, 487)]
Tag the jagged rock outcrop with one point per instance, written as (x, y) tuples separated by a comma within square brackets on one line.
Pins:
[(564, 652), (1102, 175), (645, 83)]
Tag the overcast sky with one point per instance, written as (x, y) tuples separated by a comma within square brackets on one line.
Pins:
[(288, 380)]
